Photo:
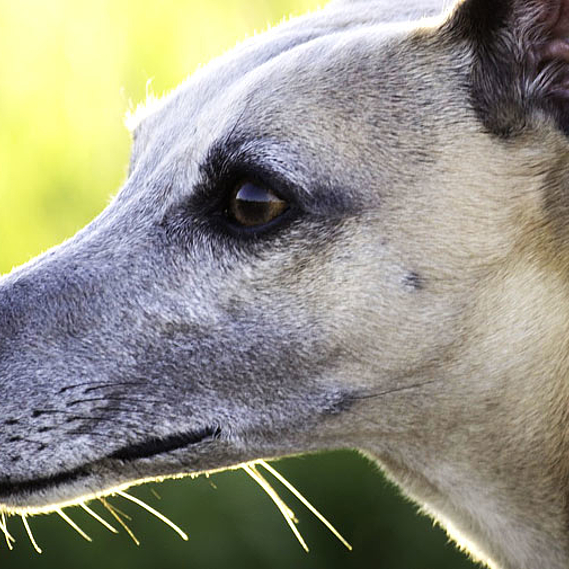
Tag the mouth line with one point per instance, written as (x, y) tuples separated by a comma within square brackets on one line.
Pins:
[(146, 449), (157, 445)]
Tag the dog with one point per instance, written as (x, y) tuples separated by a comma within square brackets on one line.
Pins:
[(348, 232)]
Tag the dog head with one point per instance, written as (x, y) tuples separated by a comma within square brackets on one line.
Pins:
[(324, 237)]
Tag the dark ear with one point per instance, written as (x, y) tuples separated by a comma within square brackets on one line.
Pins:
[(521, 60)]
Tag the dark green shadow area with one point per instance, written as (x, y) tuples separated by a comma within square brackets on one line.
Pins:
[(233, 524)]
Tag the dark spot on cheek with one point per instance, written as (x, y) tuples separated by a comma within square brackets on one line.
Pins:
[(413, 281)]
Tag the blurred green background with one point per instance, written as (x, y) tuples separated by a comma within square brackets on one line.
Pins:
[(69, 71)]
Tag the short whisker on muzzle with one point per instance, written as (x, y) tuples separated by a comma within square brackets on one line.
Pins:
[(4, 529), (107, 415), (144, 400), (95, 385)]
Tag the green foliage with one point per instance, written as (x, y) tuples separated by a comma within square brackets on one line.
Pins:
[(68, 72)]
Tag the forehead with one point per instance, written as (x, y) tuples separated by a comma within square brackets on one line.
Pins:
[(318, 87)]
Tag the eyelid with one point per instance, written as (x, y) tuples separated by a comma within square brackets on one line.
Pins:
[(217, 186)]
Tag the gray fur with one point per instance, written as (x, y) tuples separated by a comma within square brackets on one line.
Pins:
[(414, 304)]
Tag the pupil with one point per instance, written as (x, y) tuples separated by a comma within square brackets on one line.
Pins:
[(253, 205)]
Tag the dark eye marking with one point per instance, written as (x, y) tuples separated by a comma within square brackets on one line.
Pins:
[(252, 205)]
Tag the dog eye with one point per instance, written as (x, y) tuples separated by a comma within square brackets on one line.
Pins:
[(252, 205)]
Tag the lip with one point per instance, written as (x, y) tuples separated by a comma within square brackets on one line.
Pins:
[(156, 445), (151, 447)]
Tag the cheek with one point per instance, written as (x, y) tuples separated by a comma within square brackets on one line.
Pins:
[(347, 301), (383, 315)]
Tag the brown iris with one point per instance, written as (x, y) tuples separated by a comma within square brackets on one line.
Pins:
[(253, 205)]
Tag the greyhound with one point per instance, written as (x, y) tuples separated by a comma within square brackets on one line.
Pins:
[(348, 232)]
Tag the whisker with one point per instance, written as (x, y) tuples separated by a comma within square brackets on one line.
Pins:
[(154, 512), (114, 512), (98, 518), (119, 511), (106, 409), (305, 501), (98, 385), (394, 390), (286, 512), (30, 534), (66, 518), (119, 399), (30, 441), (4, 528)]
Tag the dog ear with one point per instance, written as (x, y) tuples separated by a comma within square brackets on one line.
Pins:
[(521, 60)]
